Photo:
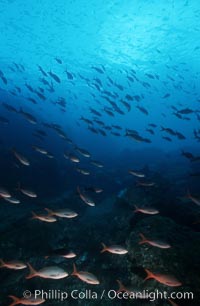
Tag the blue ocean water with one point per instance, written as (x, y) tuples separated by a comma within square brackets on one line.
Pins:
[(100, 114)]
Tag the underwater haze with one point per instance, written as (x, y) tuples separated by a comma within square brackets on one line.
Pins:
[(100, 152)]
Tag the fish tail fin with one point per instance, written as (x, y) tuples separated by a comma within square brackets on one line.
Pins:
[(162, 128), (15, 299), (104, 248), (33, 272), (2, 263), (50, 212), (121, 286), (136, 208), (75, 272), (144, 239), (34, 216), (149, 274)]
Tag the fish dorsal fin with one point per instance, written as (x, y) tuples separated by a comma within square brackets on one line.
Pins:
[(75, 272), (50, 212)]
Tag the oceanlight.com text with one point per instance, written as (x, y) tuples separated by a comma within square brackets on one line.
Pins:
[(110, 294)]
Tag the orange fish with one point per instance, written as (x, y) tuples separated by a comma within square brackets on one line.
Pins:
[(148, 211), (172, 302), (114, 249), (85, 198), (14, 264), (29, 193), (23, 160), (85, 276), (62, 213), (4, 193), (44, 218), (156, 243), (53, 272), (167, 280), (12, 200), (26, 301), (146, 184), (193, 199)]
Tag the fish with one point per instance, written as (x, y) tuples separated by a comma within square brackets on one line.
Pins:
[(146, 184), (114, 249), (5, 81), (10, 108), (22, 159), (44, 218), (61, 253), (109, 112), (180, 136), (83, 171), (167, 280), (94, 189), (169, 131), (167, 95), (131, 291), (52, 272), (156, 243), (146, 210), (150, 76), (83, 152), (85, 198), (97, 164), (62, 213), (95, 112), (172, 302), (99, 70), (69, 75), (27, 192), (13, 265), (42, 71), (29, 87), (126, 104), (86, 277), (4, 193), (72, 157), (167, 138), (26, 300), (30, 118), (58, 60), (40, 150), (143, 110), (185, 111), (193, 199), (152, 125), (12, 200), (150, 131), (136, 173), (187, 154), (54, 76)]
